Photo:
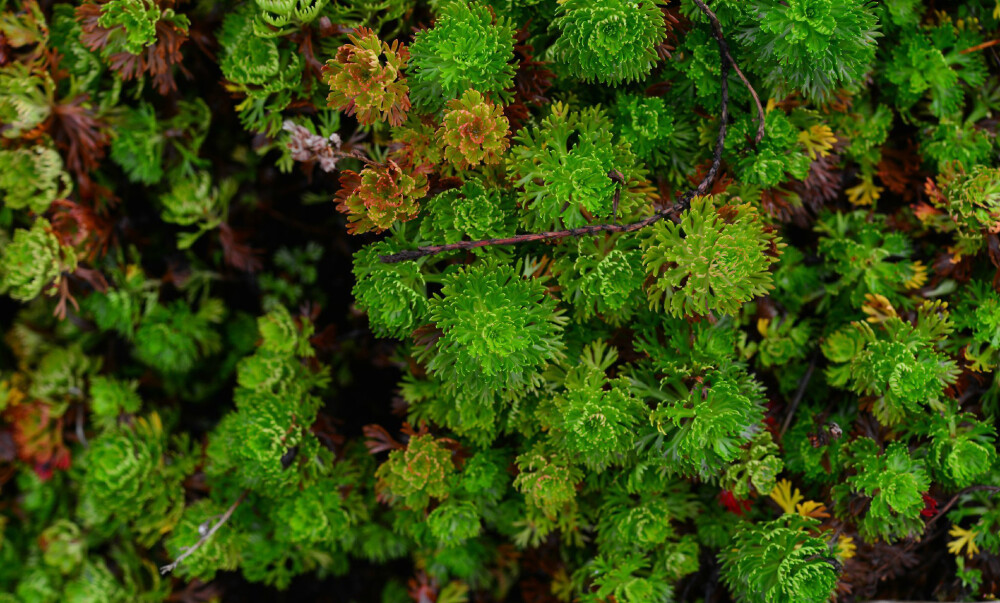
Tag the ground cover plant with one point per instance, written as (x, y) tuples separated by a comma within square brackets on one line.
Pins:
[(499, 300)]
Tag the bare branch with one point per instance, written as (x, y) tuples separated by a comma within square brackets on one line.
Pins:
[(798, 396), (955, 498), (166, 569), (724, 48), (682, 204)]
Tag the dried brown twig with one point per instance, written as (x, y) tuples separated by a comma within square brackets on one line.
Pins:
[(682, 204)]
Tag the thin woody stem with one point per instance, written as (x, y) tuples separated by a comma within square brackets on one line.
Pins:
[(166, 569), (679, 206), (980, 46), (798, 396), (955, 498), (941, 512), (358, 154), (724, 48)]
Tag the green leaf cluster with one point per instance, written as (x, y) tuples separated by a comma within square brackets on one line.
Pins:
[(628, 353)]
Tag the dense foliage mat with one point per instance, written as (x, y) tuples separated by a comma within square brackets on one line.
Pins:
[(499, 300)]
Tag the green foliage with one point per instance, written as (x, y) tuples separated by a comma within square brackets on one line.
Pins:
[(778, 158), (564, 165), (779, 560), (94, 583), (812, 46), (134, 478), (133, 24), (64, 548), (254, 60), (963, 449), (137, 149), (900, 365), (60, 374), (686, 349), (595, 419), (144, 140), (394, 295), (475, 211), (893, 481), (299, 275), (929, 62), (706, 429), (610, 42), (806, 454), (110, 397), (979, 312), (454, 522), (867, 128), (603, 278), (32, 178), (967, 206), (467, 48), (986, 513), (648, 125), (629, 352), (415, 475), (782, 341), (83, 65), (950, 141), (172, 338), (627, 580), (120, 309), (32, 261), (280, 13), (686, 261), (547, 480), (312, 515), (265, 445), (497, 331), (193, 201), (647, 521), (757, 467), (220, 553), (264, 68), (25, 98), (867, 258)]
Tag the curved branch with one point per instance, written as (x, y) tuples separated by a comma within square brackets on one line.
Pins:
[(682, 204), (955, 498), (724, 49)]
